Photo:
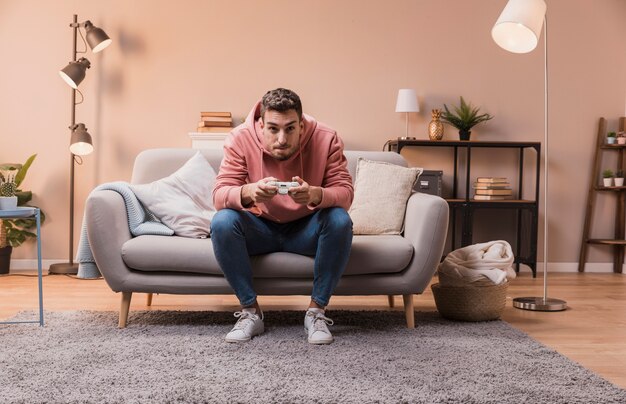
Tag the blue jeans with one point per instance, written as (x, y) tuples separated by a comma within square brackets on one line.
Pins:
[(326, 235)]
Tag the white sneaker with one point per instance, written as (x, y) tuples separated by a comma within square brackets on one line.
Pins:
[(315, 324), (248, 325)]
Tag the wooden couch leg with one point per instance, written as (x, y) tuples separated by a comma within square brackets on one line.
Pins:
[(391, 302), (149, 300), (409, 311), (124, 308)]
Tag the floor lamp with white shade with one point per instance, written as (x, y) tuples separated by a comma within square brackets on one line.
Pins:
[(517, 30)]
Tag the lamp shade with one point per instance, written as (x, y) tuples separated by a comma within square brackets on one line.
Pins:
[(96, 37), (519, 26), (407, 101), (80, 143), (74, 72)]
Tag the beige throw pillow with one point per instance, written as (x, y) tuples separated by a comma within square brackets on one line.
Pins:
[(381, 191), (182, 201)]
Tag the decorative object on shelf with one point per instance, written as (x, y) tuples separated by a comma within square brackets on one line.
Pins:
[(518, 30), (621, 138), (435, 127), (607, 178), (464, 118), (14, 232), (407, 102), (492, 188), (611, 138), (619, 178), (80, 140), (216, 122)]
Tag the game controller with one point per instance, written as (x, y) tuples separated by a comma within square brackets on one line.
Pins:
[(283, 187)]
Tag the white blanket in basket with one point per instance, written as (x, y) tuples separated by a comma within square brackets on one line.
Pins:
[(475, 264)]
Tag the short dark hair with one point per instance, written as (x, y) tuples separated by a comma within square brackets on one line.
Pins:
[(281, 100)]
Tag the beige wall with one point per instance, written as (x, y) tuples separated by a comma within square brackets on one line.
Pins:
[(346, 59)]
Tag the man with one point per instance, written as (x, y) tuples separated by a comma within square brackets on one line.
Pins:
[(278, 142)]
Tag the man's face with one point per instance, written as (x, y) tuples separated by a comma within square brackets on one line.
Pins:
[(281, 133)]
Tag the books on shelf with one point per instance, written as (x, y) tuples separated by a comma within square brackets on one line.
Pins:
[(483, 185), (504, 192), (492, 188), (490, 197), (215, 129), (209, 124), (215, 122), (214, 113), (492, 180)]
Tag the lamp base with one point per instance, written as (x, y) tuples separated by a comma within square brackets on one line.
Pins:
[(539, 304), (407, 138), (63, 268)]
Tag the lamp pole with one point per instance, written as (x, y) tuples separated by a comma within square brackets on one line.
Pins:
[(543, 303), (70, 267)]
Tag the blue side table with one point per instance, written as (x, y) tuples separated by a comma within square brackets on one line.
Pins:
[(25, 212)]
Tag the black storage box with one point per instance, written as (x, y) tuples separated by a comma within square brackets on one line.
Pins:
[(430, 182)]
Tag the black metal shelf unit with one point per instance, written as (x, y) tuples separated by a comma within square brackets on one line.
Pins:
[(466, 206)]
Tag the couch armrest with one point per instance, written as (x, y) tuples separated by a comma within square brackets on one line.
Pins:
[(107, 229), (426, 228)]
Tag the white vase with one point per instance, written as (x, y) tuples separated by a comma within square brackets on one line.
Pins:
[(610, 140), (8, 202), (619, 182), (607, 182)]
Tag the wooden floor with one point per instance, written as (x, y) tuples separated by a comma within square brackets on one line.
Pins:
[(591, 332)]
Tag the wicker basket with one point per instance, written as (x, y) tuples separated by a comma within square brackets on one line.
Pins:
[(470, 303)]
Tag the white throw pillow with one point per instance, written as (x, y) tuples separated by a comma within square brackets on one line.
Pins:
[(381, 191), (182, 201)]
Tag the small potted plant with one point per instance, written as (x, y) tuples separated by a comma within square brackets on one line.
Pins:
[(621, 138), (464, 118), (619, 178), (14, 232), (610, 137), (607, 178), (8, 187)]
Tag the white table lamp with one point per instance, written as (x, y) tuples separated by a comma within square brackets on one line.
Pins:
[(407, 102)]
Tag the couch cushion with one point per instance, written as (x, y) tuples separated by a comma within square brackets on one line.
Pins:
[(182, 201), (381, 191), (369, 255)]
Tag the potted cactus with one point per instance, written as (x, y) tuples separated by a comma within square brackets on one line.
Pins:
[(607, 178), (8, 188), (14, 232)]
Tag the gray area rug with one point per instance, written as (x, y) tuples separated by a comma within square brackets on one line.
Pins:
[(181, 357)]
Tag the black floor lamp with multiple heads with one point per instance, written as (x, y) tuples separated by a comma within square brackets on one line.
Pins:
[(517, 30), (80, 140)]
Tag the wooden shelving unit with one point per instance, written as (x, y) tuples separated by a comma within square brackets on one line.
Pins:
[(618, 242)]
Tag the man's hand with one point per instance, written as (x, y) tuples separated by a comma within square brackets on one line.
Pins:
[(304, 193), (258, 192)]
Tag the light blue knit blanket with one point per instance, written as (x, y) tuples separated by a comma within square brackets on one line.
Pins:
[(140, 222)]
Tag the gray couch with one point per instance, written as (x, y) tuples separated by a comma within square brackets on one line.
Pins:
[(379, 265)]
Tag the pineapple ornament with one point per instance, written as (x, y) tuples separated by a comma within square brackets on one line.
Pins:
[(435, 127)]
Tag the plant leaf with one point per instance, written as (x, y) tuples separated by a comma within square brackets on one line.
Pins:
[(21, 174)]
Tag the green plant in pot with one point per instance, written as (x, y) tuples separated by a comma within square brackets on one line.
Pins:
[(464, 117), (14, 232)]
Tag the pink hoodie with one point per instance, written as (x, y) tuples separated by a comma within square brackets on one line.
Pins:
[(320, 162)]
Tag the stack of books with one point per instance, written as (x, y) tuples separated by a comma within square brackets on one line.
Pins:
[(218, 122), (492, 188)]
